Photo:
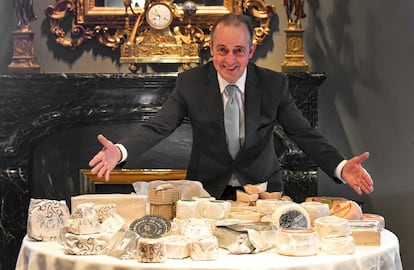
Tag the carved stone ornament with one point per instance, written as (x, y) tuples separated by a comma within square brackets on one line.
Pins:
[(126, 27)]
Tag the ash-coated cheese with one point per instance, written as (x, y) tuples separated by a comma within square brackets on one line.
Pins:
[(291, 216)]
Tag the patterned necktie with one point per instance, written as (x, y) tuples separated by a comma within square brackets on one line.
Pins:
[(231, 120)]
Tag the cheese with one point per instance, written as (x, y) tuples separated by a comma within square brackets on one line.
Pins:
[(86, 244), (245, 215), (45, 219), (83, 220), (255, 189), (151, 250), (267, 207), (177, 247), (315, 210), (365, 232), (244, 197), (128, 206), (187, 209), (204, 249), (270, 195), (216, 209), (291, 216), (380, 219), (332, 226), (346, 209), (337, 245), (297, 242)]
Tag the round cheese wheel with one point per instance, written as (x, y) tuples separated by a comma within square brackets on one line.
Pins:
[(291, 216), (332, 226), (297, 243), (346, 209), (315, 210), (337, 245)]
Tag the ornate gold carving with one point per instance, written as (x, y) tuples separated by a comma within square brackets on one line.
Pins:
[(263, 13), (125, 28), (294, 56)]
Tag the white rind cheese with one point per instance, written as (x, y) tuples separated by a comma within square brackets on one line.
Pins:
[(332, 226), (297, 242)]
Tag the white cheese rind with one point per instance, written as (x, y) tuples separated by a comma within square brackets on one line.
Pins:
[(297, 243)]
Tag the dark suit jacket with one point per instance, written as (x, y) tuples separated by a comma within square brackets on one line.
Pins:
[(267, 102)]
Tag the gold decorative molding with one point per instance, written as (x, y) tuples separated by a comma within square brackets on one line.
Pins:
[(125, 28)]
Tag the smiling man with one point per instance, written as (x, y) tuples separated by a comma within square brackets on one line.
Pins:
[(258, 100)]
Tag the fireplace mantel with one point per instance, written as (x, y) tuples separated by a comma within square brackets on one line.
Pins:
[(34, 107)]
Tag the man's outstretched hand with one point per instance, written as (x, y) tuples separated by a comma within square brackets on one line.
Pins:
[(356, 176), (105, 160)]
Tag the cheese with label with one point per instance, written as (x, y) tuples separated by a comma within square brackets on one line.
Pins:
[(291, 216), (297, 242), (346, 209), (45, 219)]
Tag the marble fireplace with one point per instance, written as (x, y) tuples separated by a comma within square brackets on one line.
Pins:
[(49, 124)]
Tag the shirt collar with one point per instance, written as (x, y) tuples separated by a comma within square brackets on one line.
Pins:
[(241, 82)]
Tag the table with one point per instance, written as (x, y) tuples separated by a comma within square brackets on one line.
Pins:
[(49, 255)]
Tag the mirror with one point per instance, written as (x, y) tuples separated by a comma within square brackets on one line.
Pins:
[(121, 24)]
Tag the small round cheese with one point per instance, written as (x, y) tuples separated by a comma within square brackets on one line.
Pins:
[(332, 226), (316, 210), (297, 243), (337, 245), (291, 216)]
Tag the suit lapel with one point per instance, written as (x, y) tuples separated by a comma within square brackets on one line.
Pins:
[(215, 109), (253, 95)]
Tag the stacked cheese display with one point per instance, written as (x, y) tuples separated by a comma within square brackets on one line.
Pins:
[(197, 227)]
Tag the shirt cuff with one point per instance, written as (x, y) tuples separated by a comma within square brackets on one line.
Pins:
[(338, 170), (124, 152)]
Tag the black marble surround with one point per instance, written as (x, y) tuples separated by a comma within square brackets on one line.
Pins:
[(38, 110)]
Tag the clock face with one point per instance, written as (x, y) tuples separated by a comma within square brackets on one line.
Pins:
[(159, 16)]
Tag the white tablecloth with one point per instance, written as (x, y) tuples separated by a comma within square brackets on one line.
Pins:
[(49, 255)]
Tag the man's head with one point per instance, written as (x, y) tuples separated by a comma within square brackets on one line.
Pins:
[(231, 46)]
